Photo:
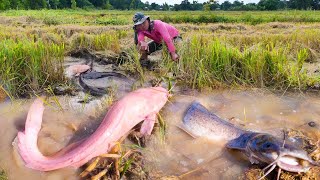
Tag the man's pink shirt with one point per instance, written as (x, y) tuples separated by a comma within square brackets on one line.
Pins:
[(161, 31)]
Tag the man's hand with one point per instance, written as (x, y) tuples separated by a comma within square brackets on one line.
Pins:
[(175, 56), (143, 46)]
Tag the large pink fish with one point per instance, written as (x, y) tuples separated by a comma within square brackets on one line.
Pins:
[(139, 105)]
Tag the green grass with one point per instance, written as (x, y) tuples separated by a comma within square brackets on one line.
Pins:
[(30, 66), (207, 61), (3, 175), (108, 40)]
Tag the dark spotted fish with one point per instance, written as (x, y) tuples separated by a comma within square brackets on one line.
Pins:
[(259, 147)]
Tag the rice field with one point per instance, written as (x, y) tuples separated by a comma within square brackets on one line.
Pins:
[(275, 61), (277, 50), (113, 17)]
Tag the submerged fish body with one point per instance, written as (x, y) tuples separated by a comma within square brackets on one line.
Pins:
[(259, 147), (201, 122), (139, 105)]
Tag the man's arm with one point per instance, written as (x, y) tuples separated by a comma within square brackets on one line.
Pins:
[(141, 44), (166, 37), (135, 38)]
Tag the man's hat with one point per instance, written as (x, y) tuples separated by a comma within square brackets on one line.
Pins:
[(139, 18)]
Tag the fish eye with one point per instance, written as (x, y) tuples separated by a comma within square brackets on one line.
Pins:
[(312, 124), (267, 146)]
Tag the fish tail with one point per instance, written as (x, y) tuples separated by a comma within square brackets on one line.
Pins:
[(27, 140), (28, 144)]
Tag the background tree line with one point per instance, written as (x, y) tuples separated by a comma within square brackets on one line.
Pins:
[(139, 5)]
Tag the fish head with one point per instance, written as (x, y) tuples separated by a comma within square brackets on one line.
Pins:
[(160, 92), (76, 70), (80, 68), (263, 147), (287, 156), (156, 98)]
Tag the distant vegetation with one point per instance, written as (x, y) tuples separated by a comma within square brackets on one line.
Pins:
[(139, 5)]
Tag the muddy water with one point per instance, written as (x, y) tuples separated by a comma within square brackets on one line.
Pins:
[(180, 155)]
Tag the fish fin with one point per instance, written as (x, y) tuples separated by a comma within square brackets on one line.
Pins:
[(147, 125), (240, 142), (253, 160), (187, 131), (193, 108)]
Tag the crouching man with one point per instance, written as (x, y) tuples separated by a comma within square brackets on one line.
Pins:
[(156, 30)]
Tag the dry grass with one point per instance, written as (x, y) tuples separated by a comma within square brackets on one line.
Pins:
[(3, 94)]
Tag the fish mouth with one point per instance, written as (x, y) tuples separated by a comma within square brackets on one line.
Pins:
[(293, 164)]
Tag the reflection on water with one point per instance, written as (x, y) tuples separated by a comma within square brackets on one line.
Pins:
[(180, 155)]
